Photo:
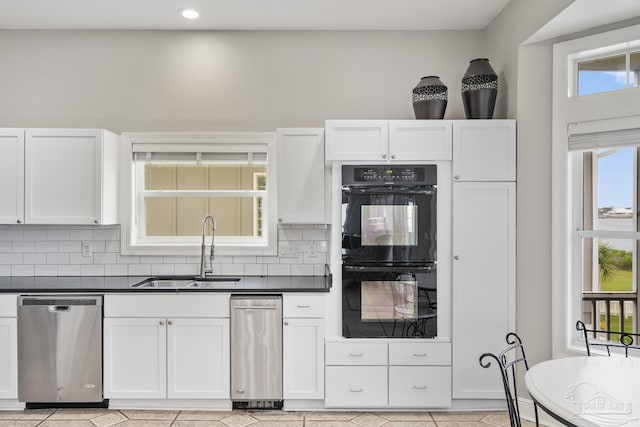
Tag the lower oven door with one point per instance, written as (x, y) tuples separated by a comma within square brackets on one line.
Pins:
[(392, 302)]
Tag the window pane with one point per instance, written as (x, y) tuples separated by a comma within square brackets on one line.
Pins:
[(615, 180), (634, 68), (172, 216), (602, 75), (204, 177)]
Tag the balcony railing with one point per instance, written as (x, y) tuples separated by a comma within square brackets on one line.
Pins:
[(610, 313)]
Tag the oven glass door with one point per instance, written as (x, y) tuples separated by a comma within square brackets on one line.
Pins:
[(389, 225), (389, 302)]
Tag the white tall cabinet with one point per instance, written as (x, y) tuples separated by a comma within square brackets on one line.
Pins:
[(484, 239)]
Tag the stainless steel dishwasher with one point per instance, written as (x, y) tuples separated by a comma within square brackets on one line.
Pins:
[(256, 350), (60, 349)]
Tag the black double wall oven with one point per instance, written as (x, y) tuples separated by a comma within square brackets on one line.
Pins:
[(389, 251)]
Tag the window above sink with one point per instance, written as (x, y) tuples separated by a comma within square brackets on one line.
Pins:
[(173, 180)]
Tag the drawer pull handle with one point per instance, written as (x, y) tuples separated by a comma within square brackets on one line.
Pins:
[(424, 387), (304, 306), (357, 390), (420, 354), (356, 354)]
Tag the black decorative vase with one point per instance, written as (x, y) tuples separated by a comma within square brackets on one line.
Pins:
[(479, 89), (429, 98)]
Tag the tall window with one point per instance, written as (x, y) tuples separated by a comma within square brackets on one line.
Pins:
[(175, 183), (596, 230), (607, 225)]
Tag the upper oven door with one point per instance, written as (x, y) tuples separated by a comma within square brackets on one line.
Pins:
[(389, 225)]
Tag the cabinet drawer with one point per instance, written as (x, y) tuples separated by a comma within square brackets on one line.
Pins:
[(356, 353), (419, 386), (303, 306), (8, 305), (164, 305), (419, 353), (356, 386)]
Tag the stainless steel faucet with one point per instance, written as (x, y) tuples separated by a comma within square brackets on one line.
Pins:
[(203, 270)]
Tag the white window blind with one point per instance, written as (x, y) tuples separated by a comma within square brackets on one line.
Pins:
[(604, 139)]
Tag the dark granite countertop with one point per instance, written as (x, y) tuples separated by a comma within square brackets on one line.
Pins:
[(104, 284)]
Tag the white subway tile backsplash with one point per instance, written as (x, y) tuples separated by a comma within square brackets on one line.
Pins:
[(232, 269), (22, 270), (92, 270), (70, 246), (46, 270), (11, 259), (47, 250), (116, 270), (57, 258), (279, 270), (23, 247), (314, 234), (255, 269), (319, 269), (139, 269), (35, 258), (69, 270), (81, 235), (58, 235), (47, 246), (162, 269)]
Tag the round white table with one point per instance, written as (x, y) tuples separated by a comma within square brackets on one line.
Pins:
[(588, 391)]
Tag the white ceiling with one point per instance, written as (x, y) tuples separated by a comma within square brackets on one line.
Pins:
[(582, 15), (251, 14)]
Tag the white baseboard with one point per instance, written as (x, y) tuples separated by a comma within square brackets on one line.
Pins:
[(11, 405), (303, 405), (174, 404), (527, 412)]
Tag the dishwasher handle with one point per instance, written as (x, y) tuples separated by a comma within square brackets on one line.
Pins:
[(255, 307), (58, 308), (63, 301)]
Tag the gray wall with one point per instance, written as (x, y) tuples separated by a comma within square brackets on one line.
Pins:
[(244, 80), (527, 74)]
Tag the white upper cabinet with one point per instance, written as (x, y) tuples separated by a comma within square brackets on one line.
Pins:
[(71, 176), (12, 176), (300, 163), (484, 150), (388, 140)]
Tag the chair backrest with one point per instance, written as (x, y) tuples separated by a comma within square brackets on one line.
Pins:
[(507, 361), (626, 340)]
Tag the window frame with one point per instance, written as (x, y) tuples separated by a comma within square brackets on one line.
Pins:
[(177, 142), (573, 114)]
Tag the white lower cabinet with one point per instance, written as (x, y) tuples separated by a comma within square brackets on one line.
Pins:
[(8, 358), (303, 347), (166, 357), (8, 347), (388, 374), (356, 386)]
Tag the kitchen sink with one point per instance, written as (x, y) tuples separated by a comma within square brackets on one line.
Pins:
[(187, 283)]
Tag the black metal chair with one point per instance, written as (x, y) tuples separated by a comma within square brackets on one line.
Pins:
[(626, 340), (508, 360)]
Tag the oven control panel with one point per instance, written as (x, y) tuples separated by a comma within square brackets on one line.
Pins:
[(376, 175)]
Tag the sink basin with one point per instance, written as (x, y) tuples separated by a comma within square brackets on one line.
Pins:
[(187, 283)]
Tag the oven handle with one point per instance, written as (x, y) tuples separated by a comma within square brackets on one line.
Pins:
[(387, 191), (390, 269)]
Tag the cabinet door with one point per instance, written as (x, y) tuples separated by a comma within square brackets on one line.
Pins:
[(11, 176), (198, 358), (420, 139), (356, 140), (62, 176), (8, 358), (356, 387), (135, 358), (484, 150), (303, 358), (301, 191), (483, 283), (419, 386)]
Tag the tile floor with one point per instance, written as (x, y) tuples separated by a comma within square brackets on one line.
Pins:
[(241, 418)]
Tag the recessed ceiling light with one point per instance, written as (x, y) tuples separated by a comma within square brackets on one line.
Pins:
[(189, 13)]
